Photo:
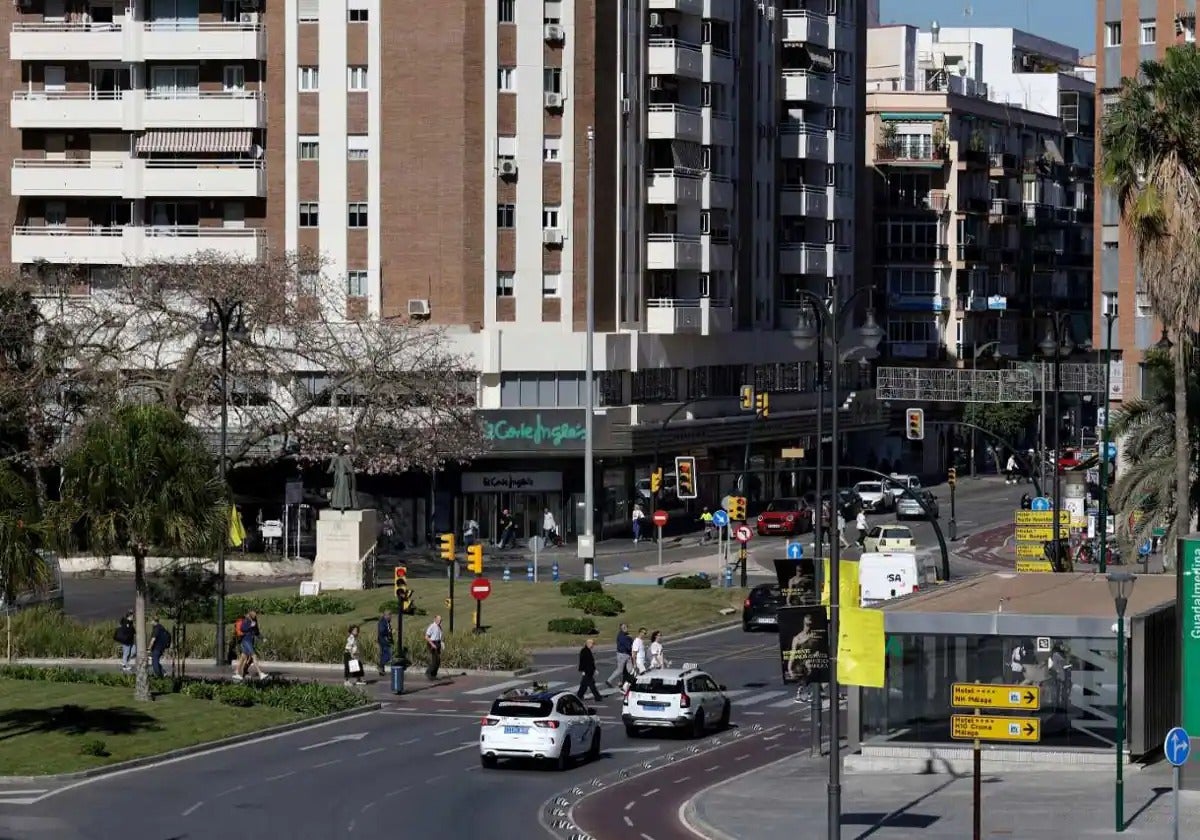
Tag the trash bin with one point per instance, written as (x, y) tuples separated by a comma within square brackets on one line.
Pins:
[(398, 677)]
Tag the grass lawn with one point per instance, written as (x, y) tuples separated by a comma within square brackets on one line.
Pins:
[(44, 724), (521, 609)]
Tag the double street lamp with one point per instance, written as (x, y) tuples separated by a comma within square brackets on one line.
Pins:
[(1110, 316), (225, 323), (1120, 584), (1055, 346)]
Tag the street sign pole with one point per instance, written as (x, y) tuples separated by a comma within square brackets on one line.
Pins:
[(1177, 746), (976, 792), (742, 563), (659, 529), (537, 541), (479, 602)]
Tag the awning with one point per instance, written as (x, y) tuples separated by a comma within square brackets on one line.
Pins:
[(911, 116), (228, 141)]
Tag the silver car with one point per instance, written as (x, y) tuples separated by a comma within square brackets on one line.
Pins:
[(876, 495), (907, 508)]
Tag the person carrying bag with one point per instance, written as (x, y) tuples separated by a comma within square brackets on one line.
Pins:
[(351, 664)]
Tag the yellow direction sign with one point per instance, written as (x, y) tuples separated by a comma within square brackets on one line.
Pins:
[(1034, 565), (991, 728), (1040, 517), (1032, 549), (992, 696), (1034, 533)]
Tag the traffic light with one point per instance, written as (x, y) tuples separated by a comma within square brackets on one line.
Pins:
[(475, 558), (737, 508), (401, 581), (762, 404), (656, 480), (685, 477), (915, 423), (448, 547), (952, 477), (747, 397)]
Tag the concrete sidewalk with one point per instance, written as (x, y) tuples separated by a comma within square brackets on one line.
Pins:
[(771, 802)]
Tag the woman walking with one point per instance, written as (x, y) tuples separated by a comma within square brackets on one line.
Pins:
[(126, 637), (352, 668), (658, 657)]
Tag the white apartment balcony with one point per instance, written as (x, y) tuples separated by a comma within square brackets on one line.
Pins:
[(675, 122), (686, 7), (798, 258), (669, 57), (803, 201), (717, 9), (233, 178), (204, 109), (134, 110), (803, 141), (673, 186), (64, 178), (806, 27), (803, 86), (842, 202), (129, 244), (691, 316), (130, 41), (717, 254), (718, 192), (672, 252), (842, 259), (139, 178), (718, 128), (718, 65)]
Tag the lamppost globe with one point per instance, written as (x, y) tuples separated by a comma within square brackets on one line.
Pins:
[(1048, 345), (209, 327), (870, 332), (1120, 585), (238, 331), (808, 328)]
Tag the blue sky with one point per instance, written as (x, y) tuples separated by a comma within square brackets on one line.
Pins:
[(1069, 21)]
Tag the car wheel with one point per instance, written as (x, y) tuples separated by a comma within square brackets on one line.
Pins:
[(564, 756), (745, 627), (631, 731), (488, 762), (698, 724), (724, 722), (593, 753)]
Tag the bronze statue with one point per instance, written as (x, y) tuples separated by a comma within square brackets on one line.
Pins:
[(345, 493)]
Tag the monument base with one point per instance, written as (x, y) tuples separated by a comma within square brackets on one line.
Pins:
[(344, 543)]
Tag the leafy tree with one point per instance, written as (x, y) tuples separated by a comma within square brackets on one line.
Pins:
[(1152, 158), (1008, 421), (141, 480), (185, 592), (21, 566)]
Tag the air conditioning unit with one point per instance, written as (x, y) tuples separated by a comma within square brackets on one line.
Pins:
[(655, 20), (507, 167), (418, 307), (554, 33), (552, 236), (554, 101)]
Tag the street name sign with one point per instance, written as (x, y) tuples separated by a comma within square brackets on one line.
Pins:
[(1034, 566), (992, 696), (993, 728), (1031, 549), (1040, 517), (1034, 533)]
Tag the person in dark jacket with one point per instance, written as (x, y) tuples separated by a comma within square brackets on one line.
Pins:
[(383, 633), (126, 637), (160, 640), (624, 651), (587, 671)]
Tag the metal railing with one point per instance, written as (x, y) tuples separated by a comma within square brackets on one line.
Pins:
[(115, 25), (678, 238), (674, 109), (674, 43), (151, 93), (188, 231), (150, 163), (67, 163), (688, 303)]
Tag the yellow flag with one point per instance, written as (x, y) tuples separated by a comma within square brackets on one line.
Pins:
[(847, 584), (861, 645), (237, 532)]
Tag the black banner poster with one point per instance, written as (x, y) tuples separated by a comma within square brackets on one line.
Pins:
[(804, 644), (797, 581)]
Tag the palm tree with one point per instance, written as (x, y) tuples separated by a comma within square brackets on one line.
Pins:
[(141, 480), (1151, 142), (21, 567)]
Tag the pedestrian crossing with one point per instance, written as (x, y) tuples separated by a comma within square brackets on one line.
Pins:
[(742, 697), (21, 797)]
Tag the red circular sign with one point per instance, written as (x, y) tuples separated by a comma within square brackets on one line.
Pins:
[(481, 588), (659, 518), (743, 534)]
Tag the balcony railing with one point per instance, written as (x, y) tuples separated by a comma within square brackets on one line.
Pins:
[(901, 153), (915, 253)]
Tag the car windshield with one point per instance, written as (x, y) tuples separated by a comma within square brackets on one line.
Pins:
[(522, 708), (869, 487), (658, 686), (767, 593), (896, 534), (783, 505)]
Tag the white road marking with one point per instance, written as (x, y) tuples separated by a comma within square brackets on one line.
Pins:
[(647, 837), (465, 746), (433, 779), (357, 736), (628, 822), (763, 697), (741, 757), (682, 779), (633, 749), (231, 790), (326, 763), (367, 807), (754, 713), (22, 792), (446, 731), (396, 792), (650, 793), (279, 776), (365, 753), (630, 805), (773, 737), (191, 810), (409, 741), (739, 692), (498, 687), (710, 769)]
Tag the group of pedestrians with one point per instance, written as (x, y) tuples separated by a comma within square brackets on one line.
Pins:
[(352, 662), (636, 655), (126, 636)]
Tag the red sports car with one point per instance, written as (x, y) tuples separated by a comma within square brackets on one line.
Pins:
[(785, 516)]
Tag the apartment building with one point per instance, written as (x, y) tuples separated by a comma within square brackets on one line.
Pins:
[(982, 207), (1128, 33)]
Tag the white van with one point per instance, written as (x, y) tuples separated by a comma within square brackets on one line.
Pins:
[(886, 575), (52, 595)]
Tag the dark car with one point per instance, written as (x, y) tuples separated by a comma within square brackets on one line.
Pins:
[(761, 607), (785, 516)]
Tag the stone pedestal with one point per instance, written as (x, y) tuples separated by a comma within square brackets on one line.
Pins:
[(343, 540)]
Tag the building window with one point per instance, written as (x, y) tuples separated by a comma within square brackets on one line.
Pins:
[(308, 11), (705, 222), (310, 79), (356, 11), (831, 232), (1112, 34), (307, 148), (508, 11), (309, 217), (551, 284), (356, 283), (356, 78), (308, 282), (552, 80), (357, 147), (506, 79), (550, 217), (830, 175), (504, 283), (506, 215), (551, 149), (1109, 304), (356, 214), (1149, 32)]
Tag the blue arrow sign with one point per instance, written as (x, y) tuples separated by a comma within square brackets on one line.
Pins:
[(720, 518), (1040, 503), (1144, 548), (1112, 451), (1177, 747), (795, 551)]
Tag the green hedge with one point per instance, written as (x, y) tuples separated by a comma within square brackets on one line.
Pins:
[(571, 588), (574, 626), (597, 604), (288, 605), (689, 582)]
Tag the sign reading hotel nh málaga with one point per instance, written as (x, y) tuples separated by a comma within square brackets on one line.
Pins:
[(534, 431)]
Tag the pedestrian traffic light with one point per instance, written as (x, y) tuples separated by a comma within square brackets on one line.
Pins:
[(915, 423), (656, 480), (449, 603), (952, 477), (747, 397), (685, 477), (737, 508), (762, 405), (401, 582), (475, 558), (447, 541)]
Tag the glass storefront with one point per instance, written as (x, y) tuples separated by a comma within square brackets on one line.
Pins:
[(1077, 678)]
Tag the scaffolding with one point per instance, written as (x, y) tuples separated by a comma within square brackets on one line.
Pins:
[(1020, 382)]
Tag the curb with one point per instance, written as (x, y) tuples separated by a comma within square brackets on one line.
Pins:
[(693, 822), (313, 667), (183, 752)]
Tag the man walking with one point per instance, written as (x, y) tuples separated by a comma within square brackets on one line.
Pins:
[(587, 671), (624, 651), (637, 652), (433, 640), (549, 528), (160, 640), (384, 638)]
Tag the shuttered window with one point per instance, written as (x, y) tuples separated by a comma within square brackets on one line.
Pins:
[(308, 11)]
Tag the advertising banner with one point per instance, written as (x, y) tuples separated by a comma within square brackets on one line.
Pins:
[(804, 644), (797, 581)]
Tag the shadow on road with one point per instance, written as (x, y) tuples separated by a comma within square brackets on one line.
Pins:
[(75, 720), (1158, 793)]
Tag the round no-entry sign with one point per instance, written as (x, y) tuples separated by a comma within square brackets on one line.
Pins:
[(659, 518), (743, 534), (481, 588)]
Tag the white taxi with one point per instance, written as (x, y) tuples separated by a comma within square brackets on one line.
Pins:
[(686, 699), (544, 726)]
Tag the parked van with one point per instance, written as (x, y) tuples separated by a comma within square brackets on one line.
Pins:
[(52, 595), (886, 575)]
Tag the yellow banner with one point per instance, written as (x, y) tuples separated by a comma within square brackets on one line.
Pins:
[(849, 594), (1034, 533), (1040, 517), (989, 728), (1034, 566), (1030, 550), (861, 645)]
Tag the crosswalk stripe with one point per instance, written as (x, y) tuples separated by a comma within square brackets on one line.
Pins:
[(739, 692), (762, 698), (504, 686), (22, 792)]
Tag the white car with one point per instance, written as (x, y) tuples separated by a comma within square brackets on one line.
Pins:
[(684, 698), (544, 726), (899, 481), (875, 495)]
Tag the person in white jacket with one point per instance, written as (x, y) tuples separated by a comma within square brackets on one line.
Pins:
[(639, 655)]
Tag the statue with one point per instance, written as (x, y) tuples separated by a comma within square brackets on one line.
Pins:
[(345, 494)]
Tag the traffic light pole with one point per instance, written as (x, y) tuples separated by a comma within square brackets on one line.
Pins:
[(450, 594), (953, 523)]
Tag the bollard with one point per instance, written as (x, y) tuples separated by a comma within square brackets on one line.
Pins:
[(529, 573), (554, 572), (625, 567), (507, 576), (729, 577)]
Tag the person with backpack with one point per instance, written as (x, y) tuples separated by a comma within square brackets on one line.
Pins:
[(126, 636), (160, 640), (248, 633)]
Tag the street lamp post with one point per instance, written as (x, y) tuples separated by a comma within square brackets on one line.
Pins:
[(1102, 515), (1056, 344), (977, 349), (1120, 584), (587, 545), (224, 321)]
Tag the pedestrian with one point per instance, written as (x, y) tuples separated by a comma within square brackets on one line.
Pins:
[(624, 650), (126, 636), (860, 522), (587, 671), (248, 634), (160, 640), (352, 668), (549, 527), (1026, 501), (1017, 665), (658, 658), (637, 518), (841, 530), (1010, 470), (825, 522), (507, 530), (433, 639), (383, 635), (637, 652), (235, 655)]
